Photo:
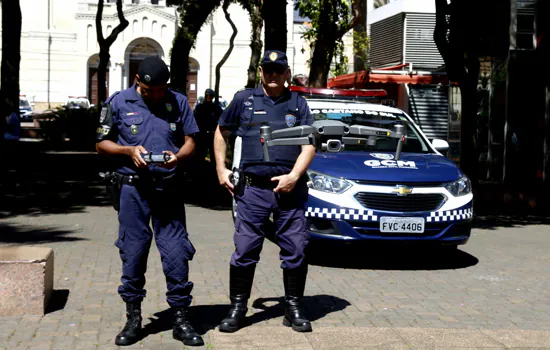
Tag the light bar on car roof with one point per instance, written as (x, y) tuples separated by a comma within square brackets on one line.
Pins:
[(339, 92)]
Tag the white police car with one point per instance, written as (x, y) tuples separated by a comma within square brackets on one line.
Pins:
[(25, 108), (364, 193)]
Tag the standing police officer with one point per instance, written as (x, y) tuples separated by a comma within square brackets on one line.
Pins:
[(207, 114), (276, 187), (149, 117)]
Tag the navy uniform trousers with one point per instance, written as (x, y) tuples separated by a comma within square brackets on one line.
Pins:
[(253, 211), (138, 205)]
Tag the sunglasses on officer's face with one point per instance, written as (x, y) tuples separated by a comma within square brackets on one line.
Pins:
[(270, 69)]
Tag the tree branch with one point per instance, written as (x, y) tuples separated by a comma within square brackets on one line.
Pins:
[(98, 27), (229, 50), (123, 24)]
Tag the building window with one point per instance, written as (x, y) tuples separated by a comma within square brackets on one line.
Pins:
[(155, 2), (135, 2)]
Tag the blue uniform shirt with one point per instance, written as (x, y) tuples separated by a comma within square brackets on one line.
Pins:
[(239, 112), (129, 122)]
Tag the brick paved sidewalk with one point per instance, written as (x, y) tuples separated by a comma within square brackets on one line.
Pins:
[(491, 293)]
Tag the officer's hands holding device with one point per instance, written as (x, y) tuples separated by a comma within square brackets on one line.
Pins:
[(136, 155)]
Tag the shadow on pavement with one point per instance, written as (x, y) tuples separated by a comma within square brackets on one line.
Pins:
[(52, 183), (388, 257), (203, 318), (207, 317), (316, 307), (495, 221), (58, 300), (31, 234)]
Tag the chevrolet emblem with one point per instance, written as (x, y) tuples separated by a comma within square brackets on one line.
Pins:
[(402, 190)]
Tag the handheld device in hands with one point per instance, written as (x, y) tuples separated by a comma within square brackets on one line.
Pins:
[(151, 158)]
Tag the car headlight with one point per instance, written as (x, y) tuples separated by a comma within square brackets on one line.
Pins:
[(459, 187), (325, 183)]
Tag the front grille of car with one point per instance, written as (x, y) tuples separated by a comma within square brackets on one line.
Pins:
[(393, 202)]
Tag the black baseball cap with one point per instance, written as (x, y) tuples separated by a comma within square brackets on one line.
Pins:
[(153, 71), (274, 57)]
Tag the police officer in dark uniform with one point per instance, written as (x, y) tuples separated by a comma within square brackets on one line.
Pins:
[(149, 117), (207, 114), (277, 187)]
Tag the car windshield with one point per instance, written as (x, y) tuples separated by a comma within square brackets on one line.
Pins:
[(24, 104), (78, 103), (368, 115)]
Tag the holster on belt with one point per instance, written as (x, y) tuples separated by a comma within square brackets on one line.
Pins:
[(113, 186), (238, 180)]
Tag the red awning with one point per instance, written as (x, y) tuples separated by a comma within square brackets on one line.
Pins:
[(361, 79)]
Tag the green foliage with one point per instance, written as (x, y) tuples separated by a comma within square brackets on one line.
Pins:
[(340, 14), (72, 129), (361, 45), (341, 66)]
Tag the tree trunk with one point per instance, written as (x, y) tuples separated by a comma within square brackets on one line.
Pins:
[(463, 68), (323, 51), (543, 51), (193, 14), (320, 62), (274, 15), (11, 60), (179, 62), (105, 46), (104, 58), (255, 45), (228, 52), (360, 31), (469, 150)]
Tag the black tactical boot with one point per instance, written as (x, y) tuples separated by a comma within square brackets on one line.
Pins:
[(183, 330), (240, 284), (295, 282), (131, 332)]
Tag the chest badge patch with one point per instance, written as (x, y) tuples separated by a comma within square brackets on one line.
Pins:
[(169, 107), (173, 126), (134, 129), (290, 120)]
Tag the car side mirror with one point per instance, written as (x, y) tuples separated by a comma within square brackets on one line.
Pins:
[(440, 145)]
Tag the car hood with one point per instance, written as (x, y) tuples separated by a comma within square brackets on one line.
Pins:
[(412, 167)]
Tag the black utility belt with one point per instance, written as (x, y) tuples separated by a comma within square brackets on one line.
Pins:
[(260, 181), (265, 181), (137, 180)]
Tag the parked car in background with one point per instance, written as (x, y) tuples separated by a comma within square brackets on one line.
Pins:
[(25, 108), (78, 102)]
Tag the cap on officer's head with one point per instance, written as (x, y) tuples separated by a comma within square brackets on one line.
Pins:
[(153, 71), (274, 57), (209, 92)]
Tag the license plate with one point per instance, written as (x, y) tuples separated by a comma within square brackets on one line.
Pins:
[(396, 224)]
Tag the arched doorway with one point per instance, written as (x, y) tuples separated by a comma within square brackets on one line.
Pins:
[(93, 66), (135, 53), (192, 81)]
